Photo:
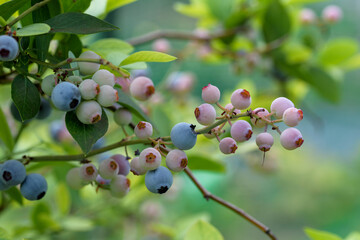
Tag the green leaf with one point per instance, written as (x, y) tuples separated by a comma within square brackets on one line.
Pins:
[(147, 56), (9, 8), (352, 63), (25, 96), (202, 230), (117, 57), (337, 51), (4, 235), (77, 224), (353, 236), (276, 21), (79, 23), (86, 135), (296, 53), (63, 198), (220, 9), (69, 42), (75, 6), (42, 219), (204, 162), (304, 1), (320, 235), (33, 29), (15, 195), (110, 45), (114, 4), (5, 133), (73, 64), (127, 102)]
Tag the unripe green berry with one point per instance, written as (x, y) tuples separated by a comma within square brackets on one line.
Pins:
[(89, 89), (48, 84), (108, 168), (107, 96), (74, 180), (119, 186), (122, 116), (143, 130), (88, 172), (75, 80), (88, 68), (104, 77), (89, 112), (136, 168)]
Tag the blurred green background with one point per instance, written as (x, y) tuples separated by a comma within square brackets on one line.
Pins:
[(314, 186)]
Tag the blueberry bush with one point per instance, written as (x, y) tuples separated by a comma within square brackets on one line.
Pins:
[(104, 128)]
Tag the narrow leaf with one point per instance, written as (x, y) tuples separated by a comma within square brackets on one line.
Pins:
[(86, 135), (9, 8), (109, 45), (33, 29), (5, 133), (314, 234), (79, 23), (25, 96), (202, 230), (147, 56), (337, 51)]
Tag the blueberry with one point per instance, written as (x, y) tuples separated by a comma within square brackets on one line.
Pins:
[(12, 173), (183, 136), (9, 48), (66, 96), (44, 110), (123, 163), (3, 186), (34, 187), (158, 180)]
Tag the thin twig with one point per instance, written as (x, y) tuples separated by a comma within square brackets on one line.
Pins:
[(207, 195)]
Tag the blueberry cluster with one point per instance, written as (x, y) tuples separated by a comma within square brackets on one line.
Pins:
[(282, 109), (32, 186), (111, 174), (86, 97)]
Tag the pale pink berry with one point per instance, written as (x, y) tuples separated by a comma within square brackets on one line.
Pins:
[(74, 180), (89, 89), (241, 131), (88, 68), (104, 77), (264, 141), (229, 107), (124, 83), (88, 172), (291, 138), (260, 112), (292, 116), (205, 114), (122, 116), (161, 45), (241, 99), (332, 13), (142, 88), (89, 112), (307, 16), (107, 96), (228, 145), (180, 82), (279, 105), (210, 94), (136, 168), (143, 130), (150, 159), (123, 163), (119, 186), (176, 160), (108, 168)]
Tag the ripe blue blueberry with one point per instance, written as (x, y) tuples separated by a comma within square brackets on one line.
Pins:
[(44, 110), (34, 187), (183, 136), (9, 48), (3, 186), (12, 173), (158, 180), (66, 96)]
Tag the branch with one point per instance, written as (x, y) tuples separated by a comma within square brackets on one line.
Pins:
[(180, 35), (207, 195)]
